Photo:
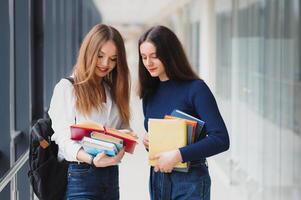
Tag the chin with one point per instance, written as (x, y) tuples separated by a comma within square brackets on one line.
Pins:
[(101, 75), (154, 75)]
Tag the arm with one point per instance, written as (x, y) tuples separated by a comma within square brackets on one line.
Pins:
[(101, 160), (62, 115), (217, 139)]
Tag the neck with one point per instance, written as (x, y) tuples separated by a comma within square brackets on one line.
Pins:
[(163, 77), (98, 79)]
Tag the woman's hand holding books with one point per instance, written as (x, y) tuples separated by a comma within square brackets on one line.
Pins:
[(102, 160)]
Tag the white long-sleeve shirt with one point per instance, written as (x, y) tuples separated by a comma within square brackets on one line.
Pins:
[(62, 112)]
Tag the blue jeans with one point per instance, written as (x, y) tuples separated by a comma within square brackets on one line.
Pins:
[(86, 182), (193, 185)]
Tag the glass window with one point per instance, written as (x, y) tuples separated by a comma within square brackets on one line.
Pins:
[(258, 75)]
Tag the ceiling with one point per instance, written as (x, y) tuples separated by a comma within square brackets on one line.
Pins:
[(130, 12), (130, 17)]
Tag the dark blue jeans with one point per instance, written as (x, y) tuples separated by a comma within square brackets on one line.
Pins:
[(86, 182), (193, 185)]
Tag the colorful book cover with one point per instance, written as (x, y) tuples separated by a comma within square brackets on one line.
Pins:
[(94, 150), (108, 138), (166, 135), (78, 131), (191, 131), (181, 114), (94, 147)]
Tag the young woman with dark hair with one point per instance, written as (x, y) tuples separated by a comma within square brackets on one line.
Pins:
[(100, 93), (167, 82)]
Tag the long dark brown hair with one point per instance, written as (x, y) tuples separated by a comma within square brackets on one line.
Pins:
[(87, 89), (172, 55)]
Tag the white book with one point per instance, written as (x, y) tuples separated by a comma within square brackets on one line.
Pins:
[(108, 145)]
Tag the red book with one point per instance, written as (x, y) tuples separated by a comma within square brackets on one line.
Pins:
[(78, 131)]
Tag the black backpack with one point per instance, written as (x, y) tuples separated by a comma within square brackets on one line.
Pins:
[(47, 175)]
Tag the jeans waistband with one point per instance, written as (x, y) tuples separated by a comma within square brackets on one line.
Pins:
[(78, 163), (199, 163)]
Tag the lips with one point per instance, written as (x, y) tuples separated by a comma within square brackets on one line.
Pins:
[(152, 69), (101, 69)]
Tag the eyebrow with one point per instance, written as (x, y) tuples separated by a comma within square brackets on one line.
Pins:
[(150, 54), (100, 52)]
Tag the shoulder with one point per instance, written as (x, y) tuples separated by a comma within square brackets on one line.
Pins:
[(199, 88), (196, 85), (64, 84), (63, 88), (62, 97)]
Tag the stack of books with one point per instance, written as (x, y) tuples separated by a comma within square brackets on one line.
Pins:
[(174, 131), (96, 139)]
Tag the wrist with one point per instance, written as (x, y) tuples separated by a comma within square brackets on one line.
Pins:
[(179, 156), (92, 161)]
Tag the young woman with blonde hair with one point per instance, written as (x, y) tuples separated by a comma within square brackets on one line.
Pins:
[(100, 93)]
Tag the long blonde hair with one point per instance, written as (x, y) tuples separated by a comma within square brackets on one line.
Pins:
[(87, 88)]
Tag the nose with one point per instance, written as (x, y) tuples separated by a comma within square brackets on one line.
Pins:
[(105, 62), (148, 62)]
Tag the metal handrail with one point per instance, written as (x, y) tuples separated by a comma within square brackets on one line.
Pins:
[(13, 170)]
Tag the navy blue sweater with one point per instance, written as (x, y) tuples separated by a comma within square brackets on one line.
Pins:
[(195, 98)]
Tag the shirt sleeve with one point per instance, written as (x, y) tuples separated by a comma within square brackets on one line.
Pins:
[(62, 114), (217, 138)]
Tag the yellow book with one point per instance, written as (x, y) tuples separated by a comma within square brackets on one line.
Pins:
[(166, 135)]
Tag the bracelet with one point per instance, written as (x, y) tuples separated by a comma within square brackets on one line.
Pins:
[(92, 161)]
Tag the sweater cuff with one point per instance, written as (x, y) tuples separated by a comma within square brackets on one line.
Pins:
[(184, 154)]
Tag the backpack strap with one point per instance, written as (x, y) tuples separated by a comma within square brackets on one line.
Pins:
[(71, 79)]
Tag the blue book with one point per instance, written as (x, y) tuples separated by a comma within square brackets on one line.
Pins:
[(200, 123), (189, 134), (94, 147), (94, 151)]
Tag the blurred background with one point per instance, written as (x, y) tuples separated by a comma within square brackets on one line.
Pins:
[(247, 51)]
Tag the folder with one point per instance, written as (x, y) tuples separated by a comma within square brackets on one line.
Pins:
[(78, 131), (166, 135)]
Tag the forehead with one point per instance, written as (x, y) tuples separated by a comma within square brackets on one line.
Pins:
[(147, 47), (109, 48)]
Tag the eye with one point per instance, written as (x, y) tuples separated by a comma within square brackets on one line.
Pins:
[(143, 58), (113, 59), (100, 56)]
